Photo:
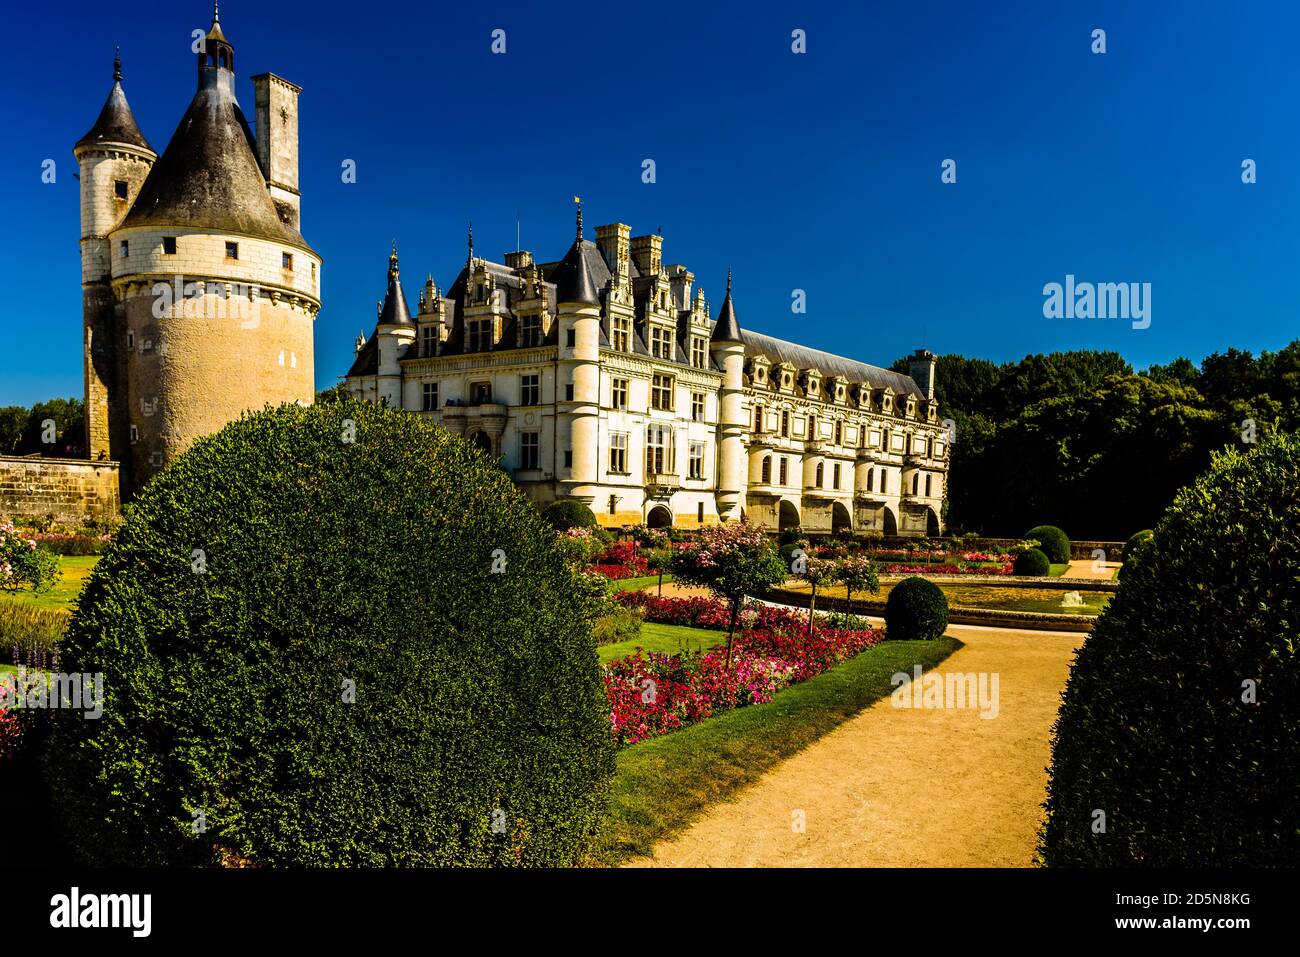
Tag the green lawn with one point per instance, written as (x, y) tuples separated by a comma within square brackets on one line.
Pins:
[(650, 582), (663, 783), (664, 638), (1059, 570), (75, 569)]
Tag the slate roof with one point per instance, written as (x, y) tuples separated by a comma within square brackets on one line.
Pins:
[(116, 122), (801, 357)]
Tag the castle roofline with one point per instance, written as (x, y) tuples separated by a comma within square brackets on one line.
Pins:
[(116, 123)]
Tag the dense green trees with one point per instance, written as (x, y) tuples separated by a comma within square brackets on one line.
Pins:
[(23, 431), (1079, 439)]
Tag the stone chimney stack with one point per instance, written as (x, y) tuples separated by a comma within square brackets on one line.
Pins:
[(614, 242), (679, 281), (648, 254), (922, 366), (276, 106)]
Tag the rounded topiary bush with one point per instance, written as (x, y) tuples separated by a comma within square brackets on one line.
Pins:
[(568, 513), (1053, 542), (1032, 562), (916, 610), (334, 653), (1181, 717), (1133, 550)]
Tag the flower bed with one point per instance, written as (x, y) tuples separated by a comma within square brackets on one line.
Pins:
[(962, 569), (653, 694), (621, 560), (10, 735)]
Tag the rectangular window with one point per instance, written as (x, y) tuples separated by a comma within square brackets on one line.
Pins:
[(785, 424), (839, 433), (124, 247), (766, 471), (232, 250), (169, 245), (871, 480), (428, 340), (618, 452), (480, 335), (130, 339), (286, 260), (568, 458), (622, 338), (568, 392), (695, 461), (530, 390), (835, 475), (480, 392), (658, 450), (530, 331), (119, 188), (697, 406), (699, 357), (528, 449), (571, 338), (661, 343), (785, 471), (135, 434), (699, 513), (661, 393), (758, 419), (927, 485), (429, 398), (618, 393)]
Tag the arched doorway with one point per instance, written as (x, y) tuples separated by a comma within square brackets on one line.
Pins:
[(931, 523), (891, 523), (787, 516), (659, 517), (482, 441), (841, 520)]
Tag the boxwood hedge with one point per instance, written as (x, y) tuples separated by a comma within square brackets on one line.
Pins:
[(338, 653), (1180, 722), (1053, 542), (1032, 562), (916, 610)]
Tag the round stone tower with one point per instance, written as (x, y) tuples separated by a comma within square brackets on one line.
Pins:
[(733, 465), (216, 289), (578, 305)]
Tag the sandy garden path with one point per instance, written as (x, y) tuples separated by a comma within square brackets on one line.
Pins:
[(900, 787)]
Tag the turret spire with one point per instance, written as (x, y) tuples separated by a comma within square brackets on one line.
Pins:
[(726, 329), (117, 64), (469, 261)]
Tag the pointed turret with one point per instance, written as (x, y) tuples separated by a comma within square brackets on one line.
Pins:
[(726, 329), (394, 311), (575, 283), (116, 123)]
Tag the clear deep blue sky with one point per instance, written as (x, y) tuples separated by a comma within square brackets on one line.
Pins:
[(818, 171)]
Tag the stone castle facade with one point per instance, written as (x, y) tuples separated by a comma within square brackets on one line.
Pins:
[(602, 377), (199, 292)]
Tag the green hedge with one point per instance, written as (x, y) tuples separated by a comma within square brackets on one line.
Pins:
[(478, 731), (916, 610), (1153, 729), (1032, 562), (1055, 544), (567, 513)]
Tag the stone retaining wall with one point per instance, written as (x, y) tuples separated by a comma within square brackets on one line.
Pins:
[(72, 490)]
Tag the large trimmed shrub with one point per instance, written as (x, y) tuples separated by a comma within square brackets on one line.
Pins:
[(566, 513), (273, 574), (1032, 562), (1134, 548), (1155, 728), (916, 610), (1053, 542)]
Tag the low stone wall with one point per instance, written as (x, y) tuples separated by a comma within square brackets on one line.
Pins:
[(72, 490)]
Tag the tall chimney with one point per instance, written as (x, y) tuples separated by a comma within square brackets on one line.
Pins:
[(275, 102), (922, 366)]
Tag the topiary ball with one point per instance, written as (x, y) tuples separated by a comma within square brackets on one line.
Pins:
[(567, 513), (335, 636), (916, 610), (1055, 544), (1133, 550), (1181, 716), (1032, 562)]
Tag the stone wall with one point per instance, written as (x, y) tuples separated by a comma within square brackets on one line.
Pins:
[(71, 490)]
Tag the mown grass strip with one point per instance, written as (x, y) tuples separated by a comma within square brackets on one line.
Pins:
[(662, 784)]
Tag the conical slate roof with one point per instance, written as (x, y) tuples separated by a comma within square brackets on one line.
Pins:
[(726, 329), (116, 123), (208, 178), (394, 309), (572, 278)]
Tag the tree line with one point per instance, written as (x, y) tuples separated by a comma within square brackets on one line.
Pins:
[(25, 431), (1078, 439)]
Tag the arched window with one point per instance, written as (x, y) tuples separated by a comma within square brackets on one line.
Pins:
[(927, 485), (871, 480), (821, 473), (766, 478), (916, 478), (221, 58)]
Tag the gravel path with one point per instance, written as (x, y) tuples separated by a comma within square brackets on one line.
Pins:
[(899, 787)]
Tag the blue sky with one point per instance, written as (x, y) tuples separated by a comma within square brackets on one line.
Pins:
[(818, 171)]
